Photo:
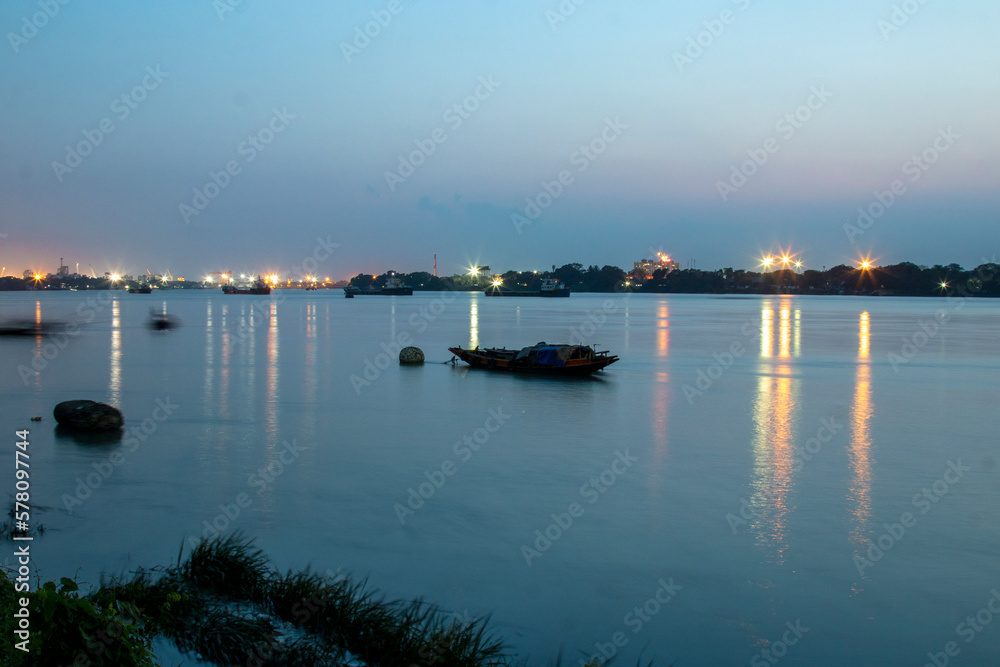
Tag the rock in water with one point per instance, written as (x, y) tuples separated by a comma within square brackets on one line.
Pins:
[(88, 416), (411, 355)]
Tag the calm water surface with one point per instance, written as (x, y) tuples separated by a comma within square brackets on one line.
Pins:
[(746, 452)]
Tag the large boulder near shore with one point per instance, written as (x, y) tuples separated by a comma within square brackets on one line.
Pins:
[(88, 416), (411, 355)]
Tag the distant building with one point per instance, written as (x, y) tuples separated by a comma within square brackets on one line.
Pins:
[(644, 268), (63, 270)]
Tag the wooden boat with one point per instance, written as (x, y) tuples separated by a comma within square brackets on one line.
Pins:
[(541, 358), (258, 287), (549, 288)]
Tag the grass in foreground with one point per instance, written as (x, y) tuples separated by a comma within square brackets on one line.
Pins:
[(225, 603)]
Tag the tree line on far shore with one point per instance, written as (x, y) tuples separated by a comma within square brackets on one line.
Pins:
[(903, 279)]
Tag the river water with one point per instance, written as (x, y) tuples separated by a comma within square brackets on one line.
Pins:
[(803, 480)]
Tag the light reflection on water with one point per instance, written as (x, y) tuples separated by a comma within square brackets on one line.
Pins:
[(272, 390), (774, 447), (775, 436), (115, 381), (861, 441), (662, 330), (474, 324), (661, 396)]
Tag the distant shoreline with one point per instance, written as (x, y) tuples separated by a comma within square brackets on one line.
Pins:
[(904, 279)]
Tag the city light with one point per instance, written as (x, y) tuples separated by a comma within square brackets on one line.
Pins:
[(767, 262), (115, 277), (497, 282), (208, 279)]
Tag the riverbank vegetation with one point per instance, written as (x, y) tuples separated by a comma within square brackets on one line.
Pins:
[(904, 279), (224, 603)]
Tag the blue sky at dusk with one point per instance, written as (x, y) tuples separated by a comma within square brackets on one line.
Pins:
[(881, 93)]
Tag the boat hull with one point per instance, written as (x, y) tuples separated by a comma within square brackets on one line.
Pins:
[(250, 290), (351, 292), (513, 361), (499, 291)]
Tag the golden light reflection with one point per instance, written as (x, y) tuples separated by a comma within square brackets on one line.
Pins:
[(787, 330), (774, 419), (864, 336), (115, 381), (474, 324), (663, 330), (766, 332), (784, 334), (859, 453), (774, 455), (39, 340), (797, 333)]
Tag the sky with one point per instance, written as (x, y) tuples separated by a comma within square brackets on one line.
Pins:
[(252, 136)]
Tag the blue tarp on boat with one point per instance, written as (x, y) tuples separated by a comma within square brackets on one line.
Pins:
[(549, 356), (554, 356)]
